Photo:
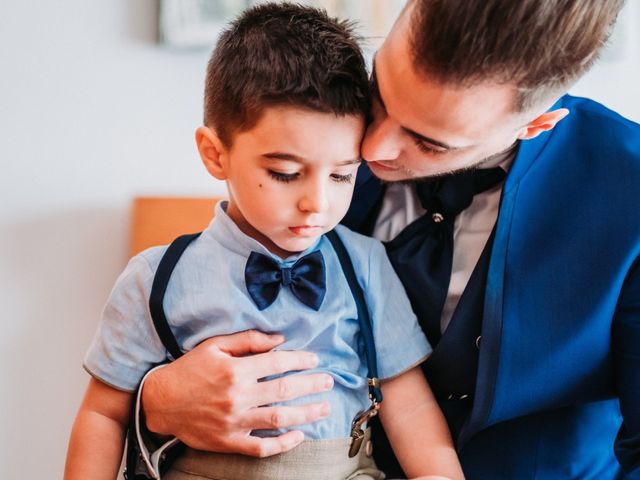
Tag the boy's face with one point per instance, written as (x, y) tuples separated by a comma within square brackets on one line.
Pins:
[(290, 177)]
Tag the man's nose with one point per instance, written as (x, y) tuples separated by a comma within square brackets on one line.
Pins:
[(382, 141), (315, 198)]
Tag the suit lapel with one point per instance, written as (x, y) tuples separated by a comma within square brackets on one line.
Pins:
[(491, 341)]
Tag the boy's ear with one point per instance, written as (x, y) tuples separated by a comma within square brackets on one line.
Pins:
[(540, 124), (212, 152)]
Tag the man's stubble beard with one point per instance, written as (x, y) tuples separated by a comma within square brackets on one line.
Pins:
[(413, 178)]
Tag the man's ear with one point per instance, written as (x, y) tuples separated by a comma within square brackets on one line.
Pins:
[(212, 152), (540, 124)]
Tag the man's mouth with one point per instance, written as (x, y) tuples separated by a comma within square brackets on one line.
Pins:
[(385, 167)]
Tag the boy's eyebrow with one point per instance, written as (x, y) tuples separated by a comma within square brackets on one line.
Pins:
[(289, 157)]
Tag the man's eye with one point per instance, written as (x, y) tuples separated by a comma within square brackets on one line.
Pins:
[(342, 178), (283, 177), (424, 148)]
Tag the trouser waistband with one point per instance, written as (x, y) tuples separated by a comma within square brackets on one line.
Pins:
[(311, 460)]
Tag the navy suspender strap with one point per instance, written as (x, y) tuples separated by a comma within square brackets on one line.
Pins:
[(134, 469), (366, 329), (363, 314), (159, 288)]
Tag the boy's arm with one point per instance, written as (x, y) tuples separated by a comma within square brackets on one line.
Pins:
[(97, 437), (416, 427)]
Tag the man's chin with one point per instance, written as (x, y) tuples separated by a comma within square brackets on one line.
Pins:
[(387, 174)]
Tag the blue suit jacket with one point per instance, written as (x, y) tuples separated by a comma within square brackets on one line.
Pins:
[(561, 329)]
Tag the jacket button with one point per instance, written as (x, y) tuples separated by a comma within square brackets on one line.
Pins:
[(478, 342)]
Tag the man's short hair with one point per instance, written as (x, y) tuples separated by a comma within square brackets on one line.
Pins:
[(283, 54), (540, 46)]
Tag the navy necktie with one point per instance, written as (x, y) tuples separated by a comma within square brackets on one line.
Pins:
[(422, 253), (305, 278)]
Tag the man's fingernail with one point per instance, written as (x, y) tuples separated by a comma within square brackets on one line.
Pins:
[(328, 382), (313, 360), (277, 338)]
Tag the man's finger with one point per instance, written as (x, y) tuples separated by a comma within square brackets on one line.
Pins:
[(275, 363), (248, 341), (289, 387), (283, 417), (265, 447)]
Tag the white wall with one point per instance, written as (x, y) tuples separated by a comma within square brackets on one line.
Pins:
[(92, 113)]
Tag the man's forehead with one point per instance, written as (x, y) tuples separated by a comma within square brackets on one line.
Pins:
[(452, 114)]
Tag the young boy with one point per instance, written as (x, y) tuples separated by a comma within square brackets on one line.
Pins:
[(285, 105)]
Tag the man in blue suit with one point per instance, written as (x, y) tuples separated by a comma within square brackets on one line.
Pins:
[(528, 286)]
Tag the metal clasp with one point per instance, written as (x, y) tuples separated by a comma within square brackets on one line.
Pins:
[(357, 434)]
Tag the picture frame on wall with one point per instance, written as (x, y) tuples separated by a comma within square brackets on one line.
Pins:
[(196, 24)]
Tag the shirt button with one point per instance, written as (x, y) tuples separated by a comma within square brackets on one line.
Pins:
[(478, 342), (368, 448)]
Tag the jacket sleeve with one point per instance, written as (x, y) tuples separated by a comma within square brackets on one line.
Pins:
[(626, 357)]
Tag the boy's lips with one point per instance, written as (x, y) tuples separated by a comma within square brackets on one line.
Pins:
[(306, 230)]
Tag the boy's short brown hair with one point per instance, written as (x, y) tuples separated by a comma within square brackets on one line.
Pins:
[(283, 54), (540, 46)]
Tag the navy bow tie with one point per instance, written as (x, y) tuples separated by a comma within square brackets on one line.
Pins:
[(305, 278)]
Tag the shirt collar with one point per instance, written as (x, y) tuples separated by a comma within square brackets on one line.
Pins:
[(225, 231)]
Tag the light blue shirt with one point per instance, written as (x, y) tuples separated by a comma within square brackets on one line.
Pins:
[(207, 297)]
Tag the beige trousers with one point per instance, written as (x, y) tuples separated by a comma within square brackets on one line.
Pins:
[(311, 460)]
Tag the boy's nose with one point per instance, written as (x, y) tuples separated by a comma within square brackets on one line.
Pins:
[(315, 198), (382, 141)]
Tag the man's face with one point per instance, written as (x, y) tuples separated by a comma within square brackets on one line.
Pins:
[(291, 176), (422, 128)]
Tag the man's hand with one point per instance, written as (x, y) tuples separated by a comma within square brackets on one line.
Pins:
[(209, 397)]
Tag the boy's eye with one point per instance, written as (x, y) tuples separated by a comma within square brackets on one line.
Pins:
[(342, 178), (283, 177)]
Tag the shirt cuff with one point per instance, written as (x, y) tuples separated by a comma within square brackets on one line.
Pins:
[(151, 459)]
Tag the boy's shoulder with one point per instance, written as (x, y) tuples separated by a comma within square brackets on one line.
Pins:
[(201, 249), (149, 258)]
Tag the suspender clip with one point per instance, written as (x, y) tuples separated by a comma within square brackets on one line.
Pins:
[(357, 434), (374, 382)]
